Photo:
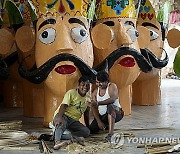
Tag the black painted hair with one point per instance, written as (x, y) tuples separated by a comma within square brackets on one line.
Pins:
[(83, 79), (102, 76), (163, 30)]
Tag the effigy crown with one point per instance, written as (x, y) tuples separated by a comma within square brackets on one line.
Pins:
[(62, 7), (146, 12), (117, 9)]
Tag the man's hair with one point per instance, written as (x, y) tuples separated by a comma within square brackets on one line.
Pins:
[(83, 79), (102, 76)]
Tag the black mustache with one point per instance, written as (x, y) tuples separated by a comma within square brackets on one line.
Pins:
[(5, 63), (11, 59), (157, 63), (40, 74), (4, 72), (143, 64)]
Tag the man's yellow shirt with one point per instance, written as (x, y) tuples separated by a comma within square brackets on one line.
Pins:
[(76, 104)]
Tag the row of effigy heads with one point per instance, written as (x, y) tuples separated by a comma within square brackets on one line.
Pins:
[(45, 46)]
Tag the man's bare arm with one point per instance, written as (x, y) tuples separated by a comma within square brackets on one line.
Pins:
[(86, 117), (95, 110), (113, 93)]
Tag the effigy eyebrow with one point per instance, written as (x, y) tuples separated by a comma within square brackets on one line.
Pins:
[(149, 24), (76, 20), (48, 21), (109, 23)]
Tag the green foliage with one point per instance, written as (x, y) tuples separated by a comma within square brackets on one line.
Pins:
[(91, 10), (51, 5), (14, 14), (32, 11), (1, 21), (164, 13), (177, 63)]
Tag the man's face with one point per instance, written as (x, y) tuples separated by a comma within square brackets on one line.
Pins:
[(58, 35), (101, 85), (84, 87)]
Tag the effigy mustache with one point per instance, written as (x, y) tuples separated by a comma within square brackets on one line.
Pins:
[(4, 72), (5, 63), (142, 62), (157, 63), (40, 74)]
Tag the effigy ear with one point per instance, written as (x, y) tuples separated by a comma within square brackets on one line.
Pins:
[(102, 35), (25, 38), (6, 41), (173, 38), (144, 37)]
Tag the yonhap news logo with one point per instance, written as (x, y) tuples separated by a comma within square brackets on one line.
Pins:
[(118, 140)]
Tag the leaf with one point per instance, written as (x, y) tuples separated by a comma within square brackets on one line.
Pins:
[(91, 10), (32, 11), (14, 14), (164, 13), (2, 3), (1, 21), (51, 5), (177, 63)]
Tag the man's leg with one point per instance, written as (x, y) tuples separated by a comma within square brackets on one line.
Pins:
[(59, 129), (111, 121), (78, 129), (119, 116), (94, 127), (113, 116)]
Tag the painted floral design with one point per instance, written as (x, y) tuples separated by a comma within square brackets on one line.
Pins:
[(62, 8), (117, 5)]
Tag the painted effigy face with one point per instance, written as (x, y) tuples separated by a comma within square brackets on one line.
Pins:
[(146, 89), (64, 48), (119, 37), (11, 20), (119, 34), (63, 35), (156, 42), (115, 31), (8, 53), (154, 50)]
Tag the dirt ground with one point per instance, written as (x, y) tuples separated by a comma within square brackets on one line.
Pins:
[(150, 123)]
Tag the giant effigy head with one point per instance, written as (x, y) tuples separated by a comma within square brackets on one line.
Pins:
[(157, 32), (115, 40), (10, 21), (63, 49)]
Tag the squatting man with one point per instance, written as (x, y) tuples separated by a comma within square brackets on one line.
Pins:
[(104, 104)]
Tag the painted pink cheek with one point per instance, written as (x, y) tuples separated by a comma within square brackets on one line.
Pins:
[(127, 62), (65, 69)]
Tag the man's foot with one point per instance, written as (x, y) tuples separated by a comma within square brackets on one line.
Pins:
[(79, 140), (108, 137), (59, 144)]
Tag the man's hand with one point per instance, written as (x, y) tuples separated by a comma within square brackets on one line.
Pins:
[(94, 103), (58, 121), (101, 125)]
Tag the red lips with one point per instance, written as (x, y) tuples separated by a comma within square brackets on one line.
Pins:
[(65, 69), (127, 62)]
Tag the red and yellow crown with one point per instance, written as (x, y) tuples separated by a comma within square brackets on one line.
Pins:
[(61, 7), (146, 12)]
